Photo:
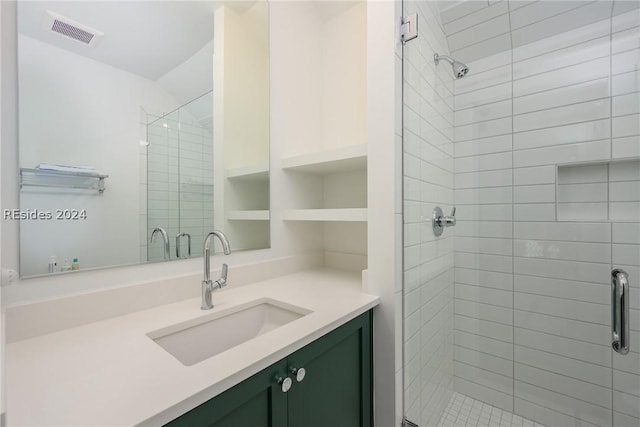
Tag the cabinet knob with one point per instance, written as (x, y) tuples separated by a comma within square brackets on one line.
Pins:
[(285, 383), (299, 373)]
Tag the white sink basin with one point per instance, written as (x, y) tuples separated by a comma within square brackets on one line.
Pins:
[(198, 339)]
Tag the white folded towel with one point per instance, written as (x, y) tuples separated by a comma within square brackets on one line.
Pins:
[(66, 168)]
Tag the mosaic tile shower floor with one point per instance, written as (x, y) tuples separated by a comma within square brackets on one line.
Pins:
[(463, 411)]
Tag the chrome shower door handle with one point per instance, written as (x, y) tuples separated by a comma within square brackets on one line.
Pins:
[(620, 310)]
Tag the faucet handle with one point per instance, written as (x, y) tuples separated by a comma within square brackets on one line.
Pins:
[(222, 281), (450, 221)]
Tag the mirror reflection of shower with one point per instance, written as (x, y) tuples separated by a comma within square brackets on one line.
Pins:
[(459, 69), (180, 175)]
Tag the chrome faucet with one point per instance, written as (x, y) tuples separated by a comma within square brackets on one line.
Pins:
[(439, 220), (165, 238), (209, 286)]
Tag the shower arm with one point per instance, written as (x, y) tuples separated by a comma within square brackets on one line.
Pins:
[(437, 58)]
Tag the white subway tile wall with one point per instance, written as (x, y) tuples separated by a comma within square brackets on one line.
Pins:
[(483, 320), (478, 29), (547, 140), (428, 182)]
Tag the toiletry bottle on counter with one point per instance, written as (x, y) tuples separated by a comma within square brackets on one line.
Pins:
[(53, 264), (65, 265), (75, 265)]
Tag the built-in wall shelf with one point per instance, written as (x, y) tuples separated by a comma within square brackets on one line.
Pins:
[(344, 215), (248, 215), (344, 159), (599, 191), (257, 172), (37, 177)]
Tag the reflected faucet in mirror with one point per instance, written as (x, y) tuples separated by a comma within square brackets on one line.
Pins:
[(165, 238), (209, 286)]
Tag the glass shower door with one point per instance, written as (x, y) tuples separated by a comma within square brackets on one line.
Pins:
[(428, 182), (538, 148), (565, 369), (575, 182)]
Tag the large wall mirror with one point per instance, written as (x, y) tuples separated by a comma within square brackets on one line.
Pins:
[(137, 115)]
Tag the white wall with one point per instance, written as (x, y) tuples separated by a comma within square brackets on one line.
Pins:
[(326, 68), (427, 183), (192, 78), (384, 193), (2, 318), (9, 145), (343, 123), (532, 286), (241, 119), (244, 84), (8, 132), (69, 115)]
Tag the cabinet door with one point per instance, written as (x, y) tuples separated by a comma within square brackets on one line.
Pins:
[(256, 402), (336, 390)]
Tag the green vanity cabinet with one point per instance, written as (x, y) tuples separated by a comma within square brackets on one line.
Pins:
[(257, 401), (337, 387), (336, 390)]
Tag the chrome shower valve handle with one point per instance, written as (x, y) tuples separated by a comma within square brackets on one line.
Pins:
[(439, 221)]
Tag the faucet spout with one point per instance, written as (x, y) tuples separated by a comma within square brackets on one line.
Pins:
[(165, 238), (207, 284)]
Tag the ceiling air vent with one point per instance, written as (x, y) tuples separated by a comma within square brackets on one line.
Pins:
[(72, 29)]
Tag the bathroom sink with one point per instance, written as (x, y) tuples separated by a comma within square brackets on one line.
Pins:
[(198, 339)]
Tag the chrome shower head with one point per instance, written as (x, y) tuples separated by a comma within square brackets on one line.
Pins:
[(459, 69)]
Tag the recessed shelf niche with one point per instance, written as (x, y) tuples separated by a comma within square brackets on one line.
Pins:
[(605, 191)]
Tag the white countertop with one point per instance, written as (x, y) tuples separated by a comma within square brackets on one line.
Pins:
[(110, 373)]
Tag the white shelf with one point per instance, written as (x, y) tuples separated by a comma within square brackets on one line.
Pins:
[(257, 172), (252, 215), (347, 214), (346, 159)]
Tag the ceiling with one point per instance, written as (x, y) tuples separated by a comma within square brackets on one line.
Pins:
[(151, 38), (479, 28), (147, 38)]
